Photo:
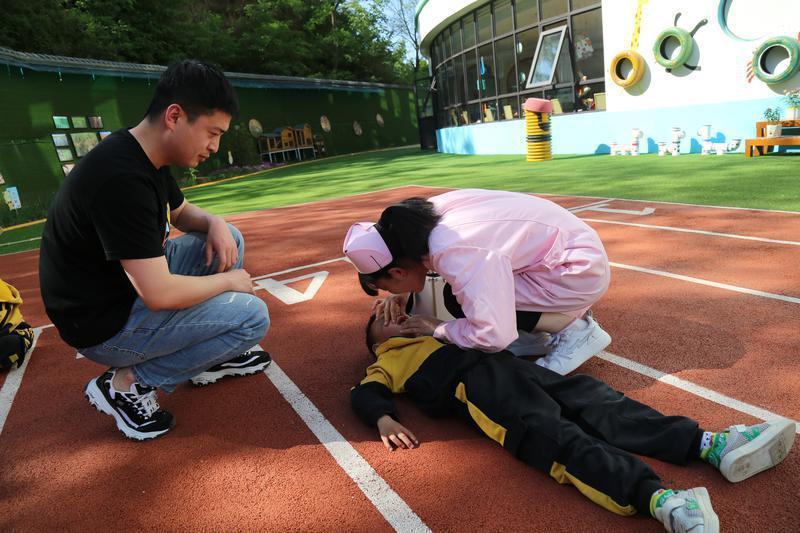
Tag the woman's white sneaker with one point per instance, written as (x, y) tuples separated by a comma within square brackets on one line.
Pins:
[(574, 345)]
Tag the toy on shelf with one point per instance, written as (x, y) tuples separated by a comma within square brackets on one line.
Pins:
[(708, 147), (624, 149)]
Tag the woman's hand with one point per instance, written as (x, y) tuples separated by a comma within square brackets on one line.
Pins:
[(419, 325), (390, 309), (394, 435)]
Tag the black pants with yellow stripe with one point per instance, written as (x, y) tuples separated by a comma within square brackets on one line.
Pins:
[(576, 429)]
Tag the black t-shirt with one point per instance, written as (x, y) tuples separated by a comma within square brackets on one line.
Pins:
[(113, 205)]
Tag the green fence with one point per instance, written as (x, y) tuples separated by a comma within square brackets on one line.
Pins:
[(30, 99)]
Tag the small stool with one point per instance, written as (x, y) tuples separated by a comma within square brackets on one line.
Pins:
[(537, 123)]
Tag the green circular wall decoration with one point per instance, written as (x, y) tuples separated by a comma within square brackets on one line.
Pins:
[(774, 44), (685, 42)]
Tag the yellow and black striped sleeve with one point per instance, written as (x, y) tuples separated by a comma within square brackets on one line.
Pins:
[(398, 360), (371, 401)]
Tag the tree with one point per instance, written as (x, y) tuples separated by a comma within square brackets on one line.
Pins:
[(340, 39), (399, 22)]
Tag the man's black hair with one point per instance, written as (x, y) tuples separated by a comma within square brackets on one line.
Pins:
[(199, 88), (368, 336), (405, 228)]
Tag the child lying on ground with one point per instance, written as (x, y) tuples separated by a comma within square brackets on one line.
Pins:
[(577, 429)]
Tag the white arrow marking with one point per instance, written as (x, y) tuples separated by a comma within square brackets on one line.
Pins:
[(603, 208), (288, 295)]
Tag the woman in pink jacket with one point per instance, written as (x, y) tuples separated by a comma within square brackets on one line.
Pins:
[(511, 260)]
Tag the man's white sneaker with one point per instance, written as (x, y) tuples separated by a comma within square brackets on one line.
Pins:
[(574, 345), (685, 511), (246, 364)]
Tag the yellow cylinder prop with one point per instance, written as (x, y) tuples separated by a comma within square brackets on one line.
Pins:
[(537, 123)]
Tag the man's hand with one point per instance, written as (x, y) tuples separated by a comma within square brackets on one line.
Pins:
[(239, 281), (420, 325), (394, 435), (390, 309), (219, 241)]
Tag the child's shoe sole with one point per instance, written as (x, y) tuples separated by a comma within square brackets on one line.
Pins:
[(765, 451), (711, 520)]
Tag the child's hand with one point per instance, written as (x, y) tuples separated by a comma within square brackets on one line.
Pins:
[(395, 435)]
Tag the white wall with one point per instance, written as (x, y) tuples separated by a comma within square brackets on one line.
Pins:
[(723, 59), (438, 14)]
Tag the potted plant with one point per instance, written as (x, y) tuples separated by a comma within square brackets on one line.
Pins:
[(792, 100), (773, 117)]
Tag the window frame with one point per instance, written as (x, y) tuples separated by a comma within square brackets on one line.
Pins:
[(562, 30)]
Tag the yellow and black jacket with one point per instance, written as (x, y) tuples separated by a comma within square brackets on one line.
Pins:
[(16, 335), (427, 370)]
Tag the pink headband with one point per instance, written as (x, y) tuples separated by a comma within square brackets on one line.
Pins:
[(365, 248)]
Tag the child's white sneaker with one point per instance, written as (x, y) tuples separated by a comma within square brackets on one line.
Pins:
[(743, 451), (574, 345), (685, 511)]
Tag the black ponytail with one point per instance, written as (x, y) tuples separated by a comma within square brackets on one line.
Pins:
[(405, 228)]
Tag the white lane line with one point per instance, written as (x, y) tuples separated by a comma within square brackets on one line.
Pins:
[(295, 269), (695, 389), (673, 203), (587, 206), (725, 286), (383, 497), (13, 381), (20, 242), (697, 231)]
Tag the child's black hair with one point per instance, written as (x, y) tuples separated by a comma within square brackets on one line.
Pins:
[(199, 88), (405, 228), (368, 336)]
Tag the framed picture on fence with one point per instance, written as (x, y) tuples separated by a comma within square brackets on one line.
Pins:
[(61, 122), (60, 140), (64, 154), (84, 142)]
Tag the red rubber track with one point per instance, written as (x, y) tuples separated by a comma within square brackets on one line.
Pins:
[(240, 458)]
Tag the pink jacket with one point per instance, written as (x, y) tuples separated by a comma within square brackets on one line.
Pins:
[(502, 251)]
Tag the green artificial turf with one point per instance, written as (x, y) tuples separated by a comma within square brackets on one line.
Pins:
[(730, 180), (22, 234)]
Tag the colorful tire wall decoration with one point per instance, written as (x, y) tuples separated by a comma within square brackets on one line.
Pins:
[(637, 68), (685, 42), (760, 68), (637, 63)]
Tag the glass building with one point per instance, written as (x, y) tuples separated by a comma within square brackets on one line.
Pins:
[(482, 63)]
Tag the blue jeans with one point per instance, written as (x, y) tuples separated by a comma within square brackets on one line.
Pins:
[(165, 348)]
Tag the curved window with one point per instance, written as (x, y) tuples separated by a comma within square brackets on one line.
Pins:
[(484, 17), (482, 61), (502, 17)]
